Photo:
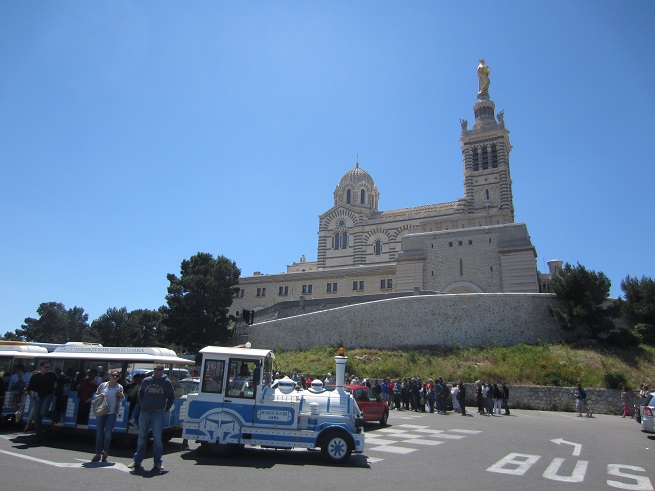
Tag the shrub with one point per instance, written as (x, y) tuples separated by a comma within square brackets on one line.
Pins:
[(614, 380), (646, 332), (622, 337)]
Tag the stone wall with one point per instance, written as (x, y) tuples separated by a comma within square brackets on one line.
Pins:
[(601, 401), (465, 320)]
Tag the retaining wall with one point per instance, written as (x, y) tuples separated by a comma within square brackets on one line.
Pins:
[(465, 320)]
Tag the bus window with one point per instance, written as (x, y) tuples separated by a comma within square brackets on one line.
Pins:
[(213, 376), (241, 379)]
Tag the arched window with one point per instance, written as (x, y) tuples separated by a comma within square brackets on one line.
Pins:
[(362, 197), (335, 244), (378, 247), (348, 196), (344, 240)]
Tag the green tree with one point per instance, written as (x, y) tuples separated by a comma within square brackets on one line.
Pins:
[(11, 336), (118, 327), (149, 326), (112, 328), (56, 325), (584, 294), (639, 303), (198, 301)]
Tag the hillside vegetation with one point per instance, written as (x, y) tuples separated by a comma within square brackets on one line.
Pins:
[(557, 365)]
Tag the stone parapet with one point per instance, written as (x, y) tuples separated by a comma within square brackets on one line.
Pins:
[(545, 398)]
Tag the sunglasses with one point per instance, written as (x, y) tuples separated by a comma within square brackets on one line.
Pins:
[(159, 369), (115, 375)]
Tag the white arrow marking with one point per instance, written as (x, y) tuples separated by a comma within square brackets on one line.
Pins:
[(115, 465), (576, 450)]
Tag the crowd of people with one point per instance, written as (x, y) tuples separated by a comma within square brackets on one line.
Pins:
[(150, 400), (431, 396)]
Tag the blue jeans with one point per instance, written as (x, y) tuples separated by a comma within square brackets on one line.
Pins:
[(41, 408), (150, 420), (104, 430)]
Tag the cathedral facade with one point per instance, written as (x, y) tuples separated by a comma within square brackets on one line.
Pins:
[(464, 246)]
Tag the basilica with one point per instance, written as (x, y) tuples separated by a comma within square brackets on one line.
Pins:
[(465, 246)]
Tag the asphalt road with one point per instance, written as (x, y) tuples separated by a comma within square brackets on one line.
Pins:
[(528, 450)]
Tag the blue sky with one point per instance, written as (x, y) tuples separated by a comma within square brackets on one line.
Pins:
[(134, 134)]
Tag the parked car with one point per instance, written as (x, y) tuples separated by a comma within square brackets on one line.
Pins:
[(647, 413), (178, 373), (189, 385), (371, 405)]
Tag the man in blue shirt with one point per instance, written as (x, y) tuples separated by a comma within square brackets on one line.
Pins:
[(156, 397)]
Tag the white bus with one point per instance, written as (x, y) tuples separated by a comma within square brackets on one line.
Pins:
[(73, 361)]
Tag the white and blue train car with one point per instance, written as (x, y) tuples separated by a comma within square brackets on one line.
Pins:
[(238, 404)]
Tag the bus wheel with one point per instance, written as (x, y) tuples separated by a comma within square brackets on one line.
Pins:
[(220, 449), (336, 447)]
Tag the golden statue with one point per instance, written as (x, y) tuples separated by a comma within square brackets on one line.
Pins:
[(483, 78)]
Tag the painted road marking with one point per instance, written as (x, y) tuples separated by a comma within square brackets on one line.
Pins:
[(576, 450), (576, 476), (79, 465), (518, 464), (394, 449)]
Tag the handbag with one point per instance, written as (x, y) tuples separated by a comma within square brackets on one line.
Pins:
[(99, 405)]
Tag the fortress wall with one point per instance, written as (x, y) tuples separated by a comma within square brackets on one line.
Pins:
[(465, 320)]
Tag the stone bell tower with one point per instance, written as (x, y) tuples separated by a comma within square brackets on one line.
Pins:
[(485, 156)]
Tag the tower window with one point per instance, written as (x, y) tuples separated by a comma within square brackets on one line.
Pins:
[(348, 196), (378, 247), (344, 240), (362, 197)]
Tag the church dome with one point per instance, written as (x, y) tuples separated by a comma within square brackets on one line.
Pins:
[(357, 188), (356, 176)]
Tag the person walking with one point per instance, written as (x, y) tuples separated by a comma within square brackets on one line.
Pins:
[(581, 401), (626, 399), (505, 391), (455, 396), (461, 397), (156, 397), (42, 390), (113, 391), (18, 383)]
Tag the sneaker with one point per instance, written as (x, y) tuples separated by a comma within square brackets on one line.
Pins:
[(156, 471), (96, 458), (104, 456), (135, 467)]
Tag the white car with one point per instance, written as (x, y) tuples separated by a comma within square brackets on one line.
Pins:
[(647, 413)]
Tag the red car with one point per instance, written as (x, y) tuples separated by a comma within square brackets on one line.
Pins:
[(373, 407)]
